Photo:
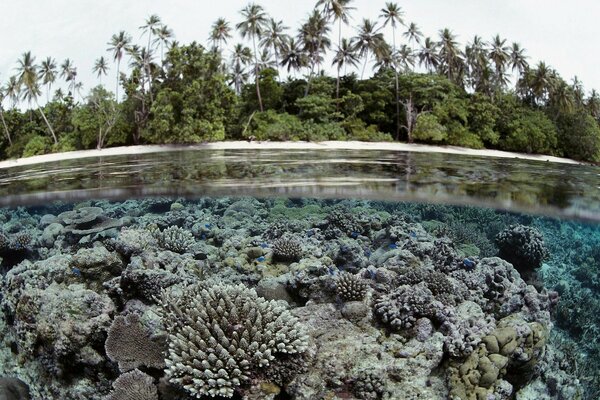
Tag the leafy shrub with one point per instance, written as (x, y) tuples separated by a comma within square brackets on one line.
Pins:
[(428, 129), (579, 136), (37, 145)]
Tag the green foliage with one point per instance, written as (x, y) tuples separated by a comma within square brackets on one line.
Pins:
[(579, 136), (270, 125), (526, 130), (482, 118), (316, 108), (37, 145), (270, 91), (429, 129)]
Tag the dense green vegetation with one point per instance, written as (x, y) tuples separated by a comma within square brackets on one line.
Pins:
[(431, 90)]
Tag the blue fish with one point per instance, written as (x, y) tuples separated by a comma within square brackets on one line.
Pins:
[(413, 234), (367, 252), (203, 237), (354, 235), (310, 232), (260, 259), (264, 245), (392, 246), (207, 226), (76, 271)]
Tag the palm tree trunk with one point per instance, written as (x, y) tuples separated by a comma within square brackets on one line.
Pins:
[(5, 127), (365, 65), (47, 123), (256, 74), (117, 88), (337, 88), (397, 88)]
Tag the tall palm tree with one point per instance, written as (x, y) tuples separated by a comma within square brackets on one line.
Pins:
[(343, 57), (241, 57), (500, 56), (392, 15), (151, 26), (478, 66), (68, 71), (451, 56), (518, 59), (48, 74), (593, 104), (428, 55), (100, 68), (578, 91), (239, 76), (28, 78), (293, 56), (253, 25), (219, 34), (413, 34), (339, 10), (313, 35), (274, 38), (368, 41), (12, 90), (163, 37), (6, 132), (118, 43)]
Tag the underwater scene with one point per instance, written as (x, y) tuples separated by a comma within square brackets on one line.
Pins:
[(242, 297)]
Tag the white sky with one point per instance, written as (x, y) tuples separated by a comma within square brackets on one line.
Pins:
[(566, 34)]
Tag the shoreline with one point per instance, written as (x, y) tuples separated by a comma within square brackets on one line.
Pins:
[(245, 145)]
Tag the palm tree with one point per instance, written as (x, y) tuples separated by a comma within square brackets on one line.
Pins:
[(343, 57), (368, 40), (413, 34), (28, 78), (500, 56), (163, 37), (150, 27), (313, 35), (518, 59), (69, 72), (339, 10), (275, 38), (242, 56), (450, 55), (428, 55), (253, 26), (48, 74), (477, 65), (6, 132), (593, 104), (578, 91), (100, 68), (12, 90), (392, 15), (118, 44), (239, 76), (293, 57), (220, 33), (561, 95)]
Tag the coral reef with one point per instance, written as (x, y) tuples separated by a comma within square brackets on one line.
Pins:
[(174, 238), (350, 287), (522, 246), (13, 389), (129, 344), (220, 336), (134, 385), (287, 248)]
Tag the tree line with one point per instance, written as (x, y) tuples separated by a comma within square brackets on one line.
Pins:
[(272, 83)]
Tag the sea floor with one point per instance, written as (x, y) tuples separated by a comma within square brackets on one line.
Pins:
[(278, 298)]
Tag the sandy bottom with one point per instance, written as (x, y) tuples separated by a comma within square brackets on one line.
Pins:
[(239, 145)]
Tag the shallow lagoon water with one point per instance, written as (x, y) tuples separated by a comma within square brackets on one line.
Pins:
[(300, 275)]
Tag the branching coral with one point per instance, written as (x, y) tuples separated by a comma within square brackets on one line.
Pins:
[(287, 248), (174, 238), (221, 336), (350, 287)]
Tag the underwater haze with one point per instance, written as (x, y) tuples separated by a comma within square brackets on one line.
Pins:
[(302, 275)]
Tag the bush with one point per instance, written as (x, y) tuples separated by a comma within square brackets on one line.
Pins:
[(358, 130), (428, 129), (529, 131), (36, 146), (579, 136)]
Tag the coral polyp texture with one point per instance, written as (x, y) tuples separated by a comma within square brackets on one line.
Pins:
[(222, 336), (287, 248), (174, 238), (350, 287), (522, 246), (134, 385)]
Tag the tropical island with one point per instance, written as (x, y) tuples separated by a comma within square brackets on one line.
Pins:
[(257, 79)]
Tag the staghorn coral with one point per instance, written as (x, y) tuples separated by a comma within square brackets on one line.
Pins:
[(287, 248), (129, 344), (174, 238), (523, 247), (134, 385), (223, 335), (350, 287), (21, 241)]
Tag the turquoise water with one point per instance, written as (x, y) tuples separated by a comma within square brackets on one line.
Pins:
[(275, 276)]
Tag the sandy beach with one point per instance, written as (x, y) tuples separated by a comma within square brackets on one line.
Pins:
[(243, 145)]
